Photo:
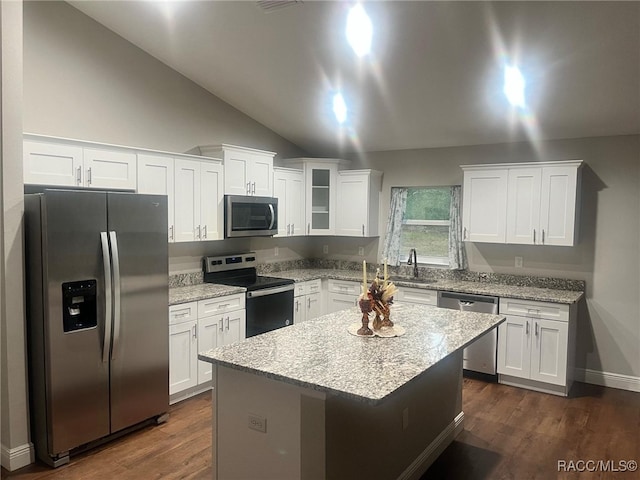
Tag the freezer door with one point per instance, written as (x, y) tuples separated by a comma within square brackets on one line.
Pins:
[(140, 352), (77, 379)]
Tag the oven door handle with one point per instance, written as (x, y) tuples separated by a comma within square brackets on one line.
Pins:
[(269, 291)]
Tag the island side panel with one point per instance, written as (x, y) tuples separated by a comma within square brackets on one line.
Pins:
[(287, 449), (372, 442)]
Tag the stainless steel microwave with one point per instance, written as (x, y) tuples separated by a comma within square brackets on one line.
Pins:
[(248, 216)]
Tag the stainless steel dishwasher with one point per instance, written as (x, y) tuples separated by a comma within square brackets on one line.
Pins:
[(480, 356)]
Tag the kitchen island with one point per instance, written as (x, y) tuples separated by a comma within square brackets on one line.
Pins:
[(313, 401)]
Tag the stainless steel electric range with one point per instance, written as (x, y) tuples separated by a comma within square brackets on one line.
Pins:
[(269, 302)]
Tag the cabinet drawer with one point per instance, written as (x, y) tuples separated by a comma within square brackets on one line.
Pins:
[(344, 287), (305, 288), (184, 312), (533, 309), (216, 305), (417, 295)]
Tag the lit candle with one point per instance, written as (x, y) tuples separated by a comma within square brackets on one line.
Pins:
[(364, 277)]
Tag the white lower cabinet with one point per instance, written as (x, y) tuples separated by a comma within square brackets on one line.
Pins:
[(342, 294), (307, 301), (536, 345), (416, 295), (196, 327)]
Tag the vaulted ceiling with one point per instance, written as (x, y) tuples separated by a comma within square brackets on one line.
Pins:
[(433, 79)]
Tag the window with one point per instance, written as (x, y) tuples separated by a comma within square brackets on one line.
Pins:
[(425, 225)]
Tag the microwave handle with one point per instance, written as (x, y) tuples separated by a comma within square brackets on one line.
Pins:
[(273, 216)]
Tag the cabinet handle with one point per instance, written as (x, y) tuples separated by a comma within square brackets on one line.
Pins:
[(227, 319), (308, 228), (198, 234), (205, 231), (195, 332), (464, 235), (297, 305), (527, 330), (79, 175), (543, 236), (248, 189), (308, 303), (536, 329), (253, 190), (221, 324), (89, 176), (171, 232), (534, 236), (288, 229), (292, 228), (363, 229)]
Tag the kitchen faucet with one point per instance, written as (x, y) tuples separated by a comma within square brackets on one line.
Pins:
[(413, 262)]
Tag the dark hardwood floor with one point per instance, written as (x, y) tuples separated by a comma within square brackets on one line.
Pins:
[(509, 433)]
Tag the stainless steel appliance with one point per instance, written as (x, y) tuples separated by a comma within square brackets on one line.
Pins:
[(480, 356), (269, 301), (248, 216), (97, 309)]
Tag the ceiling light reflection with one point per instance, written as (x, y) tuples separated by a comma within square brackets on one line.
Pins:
[(339, 108), (514, 85), (359, 30)]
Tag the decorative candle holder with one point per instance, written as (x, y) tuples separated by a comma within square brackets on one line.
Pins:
[(386, 312), (365, 307)]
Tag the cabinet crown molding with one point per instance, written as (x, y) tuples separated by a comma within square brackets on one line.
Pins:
[(207, 150), (556, 163)]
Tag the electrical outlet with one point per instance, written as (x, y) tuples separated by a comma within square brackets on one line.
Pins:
[(258, 423), (405, 418), (325, 249), (275, 251), (518, 262), (361, 251)]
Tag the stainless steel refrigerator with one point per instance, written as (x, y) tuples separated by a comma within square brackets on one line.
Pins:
[(97, 310)]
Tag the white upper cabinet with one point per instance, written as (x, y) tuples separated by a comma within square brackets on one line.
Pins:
[(288, 188), (484, 205), (358, 195), (156, 176), (198, 200), (527, 203), (65, 163), (247, 171)]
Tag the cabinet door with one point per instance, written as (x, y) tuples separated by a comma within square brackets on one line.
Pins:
[(209, 336), (183, 356), (280, 190), (187, 200), (337, 302), (109, 169), (313, 304), (352, 203), (236, 173), (558, 205), (523, 206), (484, 208), (235, 327), (320, 202), (52, 164), (261, 175), (155, 176), (549, 351), (514, 347), (211, 198), (295, 203), (299, 309)]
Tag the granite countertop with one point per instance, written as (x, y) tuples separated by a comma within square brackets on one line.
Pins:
[(201, 291), (480, 288), (322, 355)]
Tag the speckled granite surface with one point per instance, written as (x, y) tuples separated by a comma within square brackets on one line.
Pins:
[(185, 279), (461, 286), (322, 355), (201, 291)]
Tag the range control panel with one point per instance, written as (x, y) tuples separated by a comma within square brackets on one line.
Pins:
[(229, 262)]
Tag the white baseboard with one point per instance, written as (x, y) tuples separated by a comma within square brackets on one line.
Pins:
[(18, 457), (607, 379), (434, 449)]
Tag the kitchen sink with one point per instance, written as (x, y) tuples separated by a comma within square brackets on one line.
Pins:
[(423, 281)]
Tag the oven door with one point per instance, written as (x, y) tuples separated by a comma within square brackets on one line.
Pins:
[(247, 216), (269, 309)]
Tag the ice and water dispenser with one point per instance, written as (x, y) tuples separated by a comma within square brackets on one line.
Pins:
[(79, 308)]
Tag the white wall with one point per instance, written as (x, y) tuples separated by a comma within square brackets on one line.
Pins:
[(607, 257)]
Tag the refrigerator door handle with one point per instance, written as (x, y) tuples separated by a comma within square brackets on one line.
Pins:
[(106, 343), (116, 293)]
